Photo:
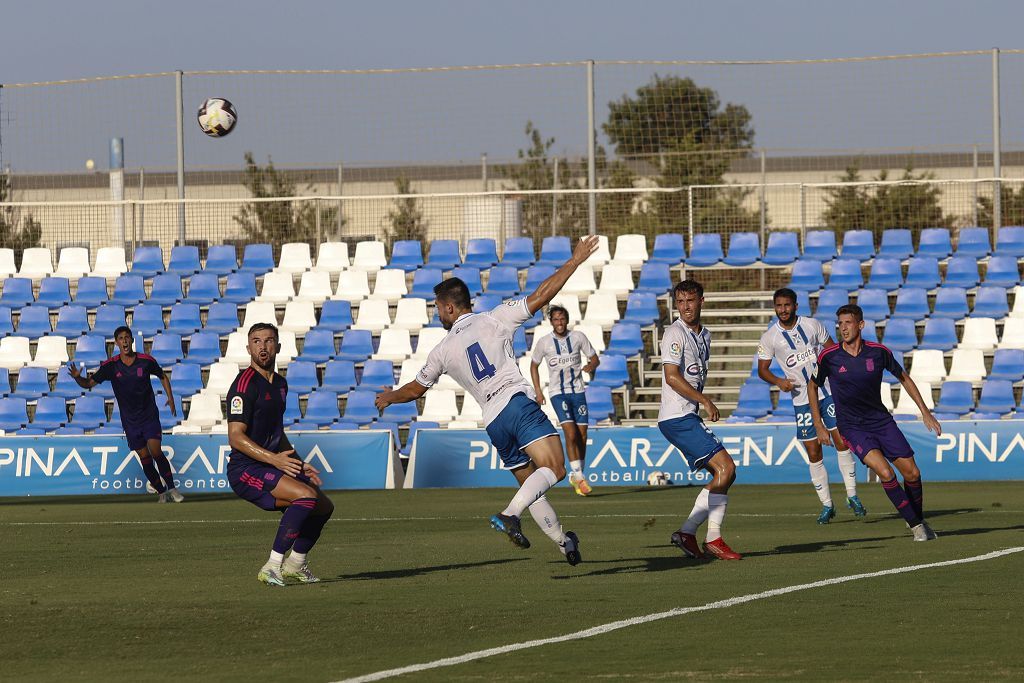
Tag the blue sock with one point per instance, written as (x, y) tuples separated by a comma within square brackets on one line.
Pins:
[(915, 493), (291, 521), (152, 475), (163, 465), (900, 501)]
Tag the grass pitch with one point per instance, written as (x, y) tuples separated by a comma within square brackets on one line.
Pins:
[(119, 588)]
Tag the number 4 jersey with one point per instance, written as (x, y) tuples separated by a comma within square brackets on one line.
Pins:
[(477, 353)]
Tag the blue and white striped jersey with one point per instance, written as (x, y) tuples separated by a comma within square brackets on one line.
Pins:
[(565, 358), (797, 352)]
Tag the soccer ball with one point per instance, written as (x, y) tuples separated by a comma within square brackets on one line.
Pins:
[(216, 117), (657, 478)]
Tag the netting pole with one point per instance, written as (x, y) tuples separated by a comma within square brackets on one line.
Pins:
[(319, 227), (554, 201), (142, 196), (689, 212), (997, 162), (803, 216), (591, 142), (974, 187), (341, 203), (764, 208), (179, 115), (483, 171)]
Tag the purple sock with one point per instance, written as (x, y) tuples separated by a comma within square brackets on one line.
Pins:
[(163, 465), (309, 533), (291, 521), (900, 501), (915, 492), (151, 474)]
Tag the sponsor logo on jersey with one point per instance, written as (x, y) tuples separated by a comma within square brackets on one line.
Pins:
[(800, 357), (236, 405), (571, 359)]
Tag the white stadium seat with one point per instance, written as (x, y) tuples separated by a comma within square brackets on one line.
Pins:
[(286, 347), (631, 250), (332, 257), (205, 410), (617, 279), (429, 337), (14, 353), (36, 263), (410, 368), (906, 405), (594, 334), (394, 345), (979, 333), (237, 351), (602, 309), (968, 366), (439, 406), (353, 286), (299, 317), (600, 257), (1013, 334), (7, 267), (315, 286), (51, 353), (110, 262), (471, 410), (73, 263), (569, 302), (580, 282), (373, 315), (369, 256), (887, 396), (411, 314), (928, 365), (542, 371), (258, 312), (277, 288), (390, 285), (222, 374), (295, 258)]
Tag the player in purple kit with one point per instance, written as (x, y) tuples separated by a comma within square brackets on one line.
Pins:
[(264, 469), (854, 370), (128, 373)]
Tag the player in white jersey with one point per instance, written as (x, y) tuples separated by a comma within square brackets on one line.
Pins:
[(685, 352), (477, 353), (795, 342), (568, 356)]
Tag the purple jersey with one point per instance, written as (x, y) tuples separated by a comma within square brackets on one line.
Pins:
[(258, 404), (132, 388), (856, 383)]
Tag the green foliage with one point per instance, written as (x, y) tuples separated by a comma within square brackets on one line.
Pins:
[(17, 231), (406, 219), (1011, 207)]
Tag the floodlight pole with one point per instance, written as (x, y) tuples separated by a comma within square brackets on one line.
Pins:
[(179, 114), (591, 152), (997, 162)]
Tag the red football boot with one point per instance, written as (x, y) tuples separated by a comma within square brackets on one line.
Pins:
[(719, 549), (688, 544)]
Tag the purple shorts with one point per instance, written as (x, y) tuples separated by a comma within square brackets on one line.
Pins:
[(255, 482), (887, 438), (138, 435)]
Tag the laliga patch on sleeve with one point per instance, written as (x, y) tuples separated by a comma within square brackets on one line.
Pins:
[(675, 350), (236, 405)]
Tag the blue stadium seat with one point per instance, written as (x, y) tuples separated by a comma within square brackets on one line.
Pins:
[(318, 345), (471, 276), (612, 372), (51, 413), (443, 255), (187, 378), (91, 350), (900, 334), (990, 302), (897, 243), (335, 316), (222, 317), (400, 413), (951, 302), (554, 251), (13, 414), (356, 346), (481, 252), (128, 291), (1002, 271), (147, 262), (744, 249), (89, 413), (911, 302), (536, 275), (54, 292), (386, 426), (784, 411), (377, 375), (829, 299), (846, 274), (773, 367), (34, 322), (956, 398), (240, 288), (359, 407), (820, 245), (923, 271), (655, 278), (754, 401), (32, 384), (996, 400), (67, 430), (17, 293), (1010, 241), (166, 289), (108, 318), (939, 333), (413, 428), (625, 340), (344, 426), (807, 275), (518, 252), (423, 282), (935, 243), (874, 303), (147, 320), (973, 242), (203, 289), (599, 403), (167, 420), (203, 348), (72, 321), (859, 245), (642, 309), (221, 260), (503, 281), (184, 261), (406, 254), (783, 248), (886, 273), (292, 414), (669, 249), (1007, 364), (167, 349), (302, 377), (339, 376), (257, 259), (705, 250), (6, 324), (66, 387), (519, 345), (321, 408), (91, 292), (184, 319), (486, 302), (962, 271)]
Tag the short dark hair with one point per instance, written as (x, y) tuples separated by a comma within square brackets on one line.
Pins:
[(786, 293), (851, 309), (124, 328), (690, 286), (555, 308), (453, 291), (263, 326)]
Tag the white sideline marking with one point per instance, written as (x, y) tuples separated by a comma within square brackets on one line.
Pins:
[(678, 611)]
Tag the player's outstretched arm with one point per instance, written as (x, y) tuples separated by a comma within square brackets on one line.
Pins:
[(80, 379), (547, 290), (240, 441), (165, 380), (765, 373), (535, 376), (824, 438), (683, 388), (926, 415), (410, 392)]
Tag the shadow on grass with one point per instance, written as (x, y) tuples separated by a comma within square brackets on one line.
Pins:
[(419, 571), (599, 493), (889, 515), (104, 499)]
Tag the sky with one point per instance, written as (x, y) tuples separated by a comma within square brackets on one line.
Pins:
[(431, 118)]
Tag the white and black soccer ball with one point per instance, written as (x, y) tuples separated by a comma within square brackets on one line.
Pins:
[(217, 117), (658, 478)]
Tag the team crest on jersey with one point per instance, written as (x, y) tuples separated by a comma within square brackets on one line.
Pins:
[(236, 405), (871, 364), (138, 372)]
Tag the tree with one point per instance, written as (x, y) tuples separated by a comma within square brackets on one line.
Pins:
[(278, 222), (406, 219), (18, 232), (1011, 208)]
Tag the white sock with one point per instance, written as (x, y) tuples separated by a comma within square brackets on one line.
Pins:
[(717, 503), (296, 559), (577, 468), (547, 520), (848, 466), (535, 486), (819, 477), (276, 558), (697, 515)]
